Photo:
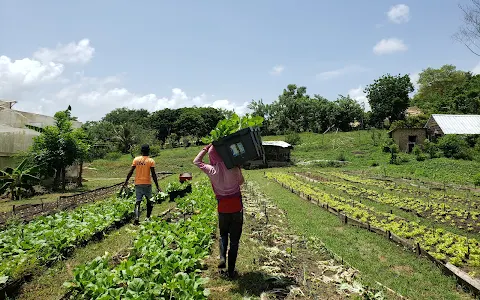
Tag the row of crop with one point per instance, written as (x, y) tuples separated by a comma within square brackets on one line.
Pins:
[(164, 261), (26, 246), (470, 200), (443, 245), (437, 211)]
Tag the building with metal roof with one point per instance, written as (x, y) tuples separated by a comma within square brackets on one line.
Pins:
[(439, 124)]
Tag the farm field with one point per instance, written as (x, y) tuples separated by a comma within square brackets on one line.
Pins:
[(413, 206)]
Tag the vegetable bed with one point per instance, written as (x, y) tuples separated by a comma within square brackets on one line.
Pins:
[(46, 239), (164, 262)]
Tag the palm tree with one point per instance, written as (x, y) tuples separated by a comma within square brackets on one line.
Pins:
[(125, 136), (19, 180)]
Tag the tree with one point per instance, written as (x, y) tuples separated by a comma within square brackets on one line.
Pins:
[(124, 115), (190, 122), (388, 97), (469, 33), (58, 147), (126, 137), (19, 180), (162, 122), (437, 88), (348, 112), (286, 111)]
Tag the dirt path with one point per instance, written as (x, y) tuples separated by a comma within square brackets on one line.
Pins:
[(273, 263)]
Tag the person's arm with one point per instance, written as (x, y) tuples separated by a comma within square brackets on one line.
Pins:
[(129, 175), (241, 179), (198, 161), (155, 179)]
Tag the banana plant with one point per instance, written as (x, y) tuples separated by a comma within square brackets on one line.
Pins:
[(19, 180)]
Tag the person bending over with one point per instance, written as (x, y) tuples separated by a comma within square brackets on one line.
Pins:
[(145, 167), (226, 186)]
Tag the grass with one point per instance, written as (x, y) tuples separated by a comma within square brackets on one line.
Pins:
[(358, 149), (375, 257)]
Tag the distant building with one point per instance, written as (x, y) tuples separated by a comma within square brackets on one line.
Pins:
[(407, 138), (18, 128), (277, 154), (439, 125)]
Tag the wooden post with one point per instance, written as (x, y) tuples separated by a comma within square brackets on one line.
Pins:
[(418, 250), (13, 209)]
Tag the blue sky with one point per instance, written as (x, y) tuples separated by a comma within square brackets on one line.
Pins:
[(98, 55)]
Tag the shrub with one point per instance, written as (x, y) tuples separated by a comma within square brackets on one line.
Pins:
[(455, 146), (374, 164), (341, 157), (419, 156), (431, 149), (113, 155), (476, 179), (293, 138)]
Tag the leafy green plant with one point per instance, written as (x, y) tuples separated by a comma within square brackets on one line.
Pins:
[(476, 179), (231, 125), (164, 262), (293, 138), (455, 146), (20, 180)]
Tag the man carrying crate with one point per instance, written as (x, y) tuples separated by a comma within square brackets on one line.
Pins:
[(145, 167)]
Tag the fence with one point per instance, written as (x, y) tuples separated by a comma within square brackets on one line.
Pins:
[(27, 212), (463, 278)]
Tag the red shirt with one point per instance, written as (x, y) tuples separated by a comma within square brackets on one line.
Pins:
[(230, 204)]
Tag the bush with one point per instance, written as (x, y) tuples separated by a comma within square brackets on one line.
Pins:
[(341, 157), (113, 155), (455, 146), (431, 149), (476, 180), (293, 138), (154, 150), (374, 164), (419, 156)]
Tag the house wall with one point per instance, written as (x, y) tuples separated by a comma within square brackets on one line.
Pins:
[(273, 153), (17, 141), (432, 126), (400, 136)]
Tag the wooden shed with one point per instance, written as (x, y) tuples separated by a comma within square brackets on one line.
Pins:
[(407, 138), (277, 154)]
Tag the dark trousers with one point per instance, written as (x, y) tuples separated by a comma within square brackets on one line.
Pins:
[(143, 190), (230, 225)]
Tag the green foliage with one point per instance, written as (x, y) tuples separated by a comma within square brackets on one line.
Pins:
[(455, 146), (47, 239), (388, 97), (20, 180), (476, 179), (419, 155), (113, 156), (58, 147), (417, 121), (165, 259), (293, 138), (438, 89), (228, 126)]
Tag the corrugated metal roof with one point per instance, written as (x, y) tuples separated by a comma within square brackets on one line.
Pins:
[(276, 143), (458, 124)]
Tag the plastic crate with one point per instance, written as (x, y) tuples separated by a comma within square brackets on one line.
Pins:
[(240, 147)]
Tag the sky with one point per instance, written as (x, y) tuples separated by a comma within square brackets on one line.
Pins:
[(100, 55)]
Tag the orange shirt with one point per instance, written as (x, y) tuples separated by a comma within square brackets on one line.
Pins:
[(142, 165)]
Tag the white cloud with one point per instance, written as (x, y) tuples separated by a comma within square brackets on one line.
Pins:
[(277, 70), (40, 84), (358, 95), (18, 76), (73, 53), (399, 13), (414, 77), (340, 72), (389, 46)]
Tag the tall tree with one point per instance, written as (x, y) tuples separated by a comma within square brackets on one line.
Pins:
[(437, 88), (124, 115), (388, 97)]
